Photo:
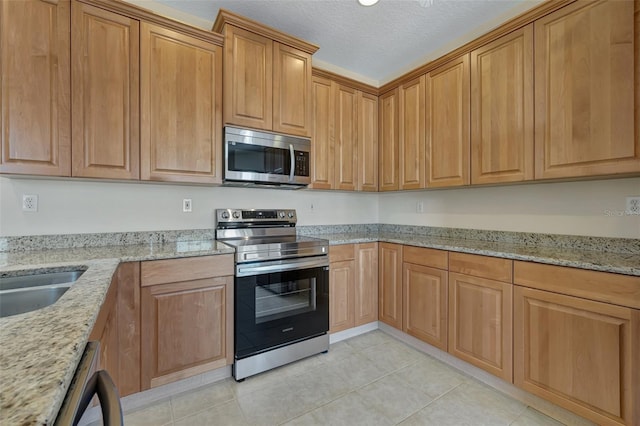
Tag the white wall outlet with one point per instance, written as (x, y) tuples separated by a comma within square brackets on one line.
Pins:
[(420, 207), (633, 205), (30, 203), (311, 207), (186, 205)]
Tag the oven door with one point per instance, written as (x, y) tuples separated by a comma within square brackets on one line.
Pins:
[(280, 302)]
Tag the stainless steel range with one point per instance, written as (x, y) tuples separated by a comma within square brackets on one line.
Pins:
[(281, 289)]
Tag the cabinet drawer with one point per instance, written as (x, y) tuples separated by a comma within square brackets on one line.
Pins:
[(342, 252), (619, 289), (493, 268), (185, 269), (426, 257)]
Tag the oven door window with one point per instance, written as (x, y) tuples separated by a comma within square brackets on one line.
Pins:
[(281, 299), (258, 159)]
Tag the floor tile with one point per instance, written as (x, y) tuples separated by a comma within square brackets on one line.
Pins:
[(392, 355), (187, 404), (337, 351), (357, 370), (155, 415), (369, 339), (227, 414), (273, 405), (431, 376), (318, 387), (532, 417), (259, 381)]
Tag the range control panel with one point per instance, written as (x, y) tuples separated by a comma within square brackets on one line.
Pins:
[(256, 216)]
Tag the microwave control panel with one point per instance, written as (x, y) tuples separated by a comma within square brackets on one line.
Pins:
[(302, 163)]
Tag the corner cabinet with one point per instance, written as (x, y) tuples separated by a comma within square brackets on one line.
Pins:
[(187, 317), (412, 133), (367, 142), (389, 151)]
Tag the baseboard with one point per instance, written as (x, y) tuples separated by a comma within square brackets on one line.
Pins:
[(352, 332)]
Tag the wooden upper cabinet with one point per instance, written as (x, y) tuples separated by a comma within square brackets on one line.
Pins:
[(586, 89), (345, 142), (412, 149), (388, 159), (248, 79), (367, 142), (181, 128), (292, 103), (322, 134), (105, 93), (34, 56), (502, 109), (447, 124)]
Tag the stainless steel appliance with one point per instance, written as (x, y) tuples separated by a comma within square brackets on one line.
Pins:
[(253, 158), (281, 289)]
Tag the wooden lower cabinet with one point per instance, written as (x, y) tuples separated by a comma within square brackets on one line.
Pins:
[(366, 288), (579, 354), (390, 285), (341, 295), (187, 326)]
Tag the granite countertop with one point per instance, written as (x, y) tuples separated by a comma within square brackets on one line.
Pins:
[(620, 263), (39, 350)]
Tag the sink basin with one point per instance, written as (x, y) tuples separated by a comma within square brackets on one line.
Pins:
[(28, 293)]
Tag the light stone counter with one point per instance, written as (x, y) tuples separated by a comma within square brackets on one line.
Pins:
[(39, 351)]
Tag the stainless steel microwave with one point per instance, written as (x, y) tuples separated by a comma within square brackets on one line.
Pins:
[(253, 158)]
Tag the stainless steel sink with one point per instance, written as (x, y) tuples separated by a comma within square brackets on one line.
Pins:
[(27, 293)]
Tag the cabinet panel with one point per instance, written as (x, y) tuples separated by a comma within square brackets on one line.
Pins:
[(425, 304), (447, 124), (35, 91), (389, 139), (248, 79), (502, 109), (191, 268), (291, 90), (346, 142), (585, 83), (322, 134), (480, 323), (578, 354), (181, 130), (128, 308), (105, 73), (390, 285), (426, 257), (412, 149), (367, 142), (341, 295), (493, 268), (366, 284)]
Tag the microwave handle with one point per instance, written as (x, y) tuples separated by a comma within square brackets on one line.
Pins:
[(293, 162)]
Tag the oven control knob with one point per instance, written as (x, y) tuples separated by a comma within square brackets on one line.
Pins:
[(281, 214), (290, 215), (225, 215), (236, 215)]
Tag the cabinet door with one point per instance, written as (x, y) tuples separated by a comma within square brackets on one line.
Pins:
[(447, 124), (291, 90), (34, 56), (322, 135), (128, 276), (346, 142), (367, 142), (105, 74), (480, 323), (366, 283), (412, 118), (579, 354), (341, 295), (425, 304), (390, 285), (389, 149), (502, 109), (181, 130), (186, 329), (586, 89), (248, 79)]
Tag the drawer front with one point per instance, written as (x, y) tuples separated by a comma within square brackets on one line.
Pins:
[(342, 252), (492, 268), (185, 269), (426, 257)]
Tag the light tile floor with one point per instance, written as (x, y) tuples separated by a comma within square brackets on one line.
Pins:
[(371, 379)]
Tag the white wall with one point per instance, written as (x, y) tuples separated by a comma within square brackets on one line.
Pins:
[(594, 208), (69, 206)]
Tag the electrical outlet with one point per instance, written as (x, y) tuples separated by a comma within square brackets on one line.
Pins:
[(30, 203), (186, 205), (633, 205), (420, 207)]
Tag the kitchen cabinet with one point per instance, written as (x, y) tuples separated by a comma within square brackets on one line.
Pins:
[(105, 93), (267, 77), (425, 287), (447, 125), (367, 142), (181, 128), (346, 143), (502, 109), (577, 340), (389, 163), (390, 284), (480, 312), (35, 106), (187, 317), (322, 134), (411, 134), (366, 291), (586, 90)]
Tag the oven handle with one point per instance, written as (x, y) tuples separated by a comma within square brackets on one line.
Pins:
[(245, 270), (293, 162)]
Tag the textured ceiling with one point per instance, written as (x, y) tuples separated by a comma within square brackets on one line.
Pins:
[(376, 43)]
